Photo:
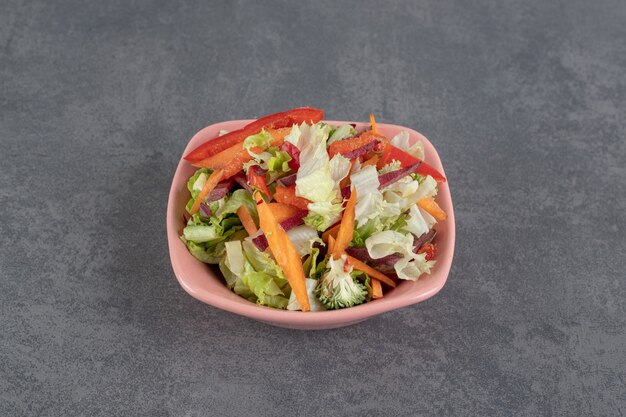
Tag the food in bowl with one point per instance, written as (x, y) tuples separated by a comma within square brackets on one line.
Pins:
[(303, 215)]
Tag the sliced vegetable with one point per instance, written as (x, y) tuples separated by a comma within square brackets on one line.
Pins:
[(362, 151), (256, 179), (303, 237), (284, 252), (331, 232), (287, 195), (392, 153), (424, 239), (431, 206), (220, 190), (246, 221), (288, 118), (373, 123), (346, 227), (361, 266), (331, 244), (377, 289), (389, 178), (210, 183)]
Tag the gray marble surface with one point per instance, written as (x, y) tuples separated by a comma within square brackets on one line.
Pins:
[(525, 102)]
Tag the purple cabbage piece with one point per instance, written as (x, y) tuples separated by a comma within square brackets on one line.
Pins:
[(297, 219), (288, 180), (243, 182), (393, 176), (355, 153), (205, 210), (424, 239), (220, 190)]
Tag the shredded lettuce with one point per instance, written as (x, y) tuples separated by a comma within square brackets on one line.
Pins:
[(260, 140), (340, 133), (390, 167), (402, 141), (303, 237), (254, 275)]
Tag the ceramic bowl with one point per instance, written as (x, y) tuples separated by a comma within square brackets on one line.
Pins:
[(205, 282)]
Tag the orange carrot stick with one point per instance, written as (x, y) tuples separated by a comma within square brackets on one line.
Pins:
[(331, 232), (246, 220), (346, 228), (377, 289), (209, 185), (363, 267), (373, 123), (331, 244), (432, 208), (284, 252)]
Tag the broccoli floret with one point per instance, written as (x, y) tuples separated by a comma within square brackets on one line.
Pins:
[(337, 288)]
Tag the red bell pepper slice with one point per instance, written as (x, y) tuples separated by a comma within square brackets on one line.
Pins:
[(287, 119), (272, 121), (391, 152), (256, 178)]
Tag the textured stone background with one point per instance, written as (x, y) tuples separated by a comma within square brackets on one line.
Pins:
[(526, 102)]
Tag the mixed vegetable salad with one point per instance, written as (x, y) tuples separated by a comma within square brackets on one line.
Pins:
[(303, 215)]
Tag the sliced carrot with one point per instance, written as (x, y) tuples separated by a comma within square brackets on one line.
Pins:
[(288, 195), (371, 161), (284, 252), (346, 227), (373, 123), (432, 208), (246, 220), (377, 289), (209, 185), (363, 267), (282, 211), (331, 232), (331, 244), (231, 159)]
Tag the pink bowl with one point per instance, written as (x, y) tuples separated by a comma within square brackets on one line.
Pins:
[(205, 282)]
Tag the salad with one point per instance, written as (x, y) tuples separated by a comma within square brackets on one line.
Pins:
[(304, 215)]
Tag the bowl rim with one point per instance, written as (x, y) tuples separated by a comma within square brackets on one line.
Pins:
[(317, 318)]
